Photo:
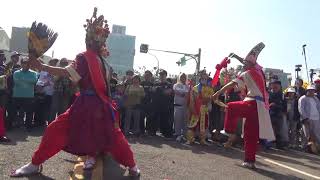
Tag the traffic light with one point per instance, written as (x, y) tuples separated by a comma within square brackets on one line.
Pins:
[(182, 61), (144, 48)]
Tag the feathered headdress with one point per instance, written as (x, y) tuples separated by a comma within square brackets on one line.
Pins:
[(40, 39), (97, 29)]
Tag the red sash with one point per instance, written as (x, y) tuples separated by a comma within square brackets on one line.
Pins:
[(260, 82), (98, 80)]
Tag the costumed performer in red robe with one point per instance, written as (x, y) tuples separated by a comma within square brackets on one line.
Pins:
[(90, 126), (254, 108)]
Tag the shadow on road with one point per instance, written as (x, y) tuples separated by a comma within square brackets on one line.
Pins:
[(113, 170), (39, 177), (275, 175), (21, 135)]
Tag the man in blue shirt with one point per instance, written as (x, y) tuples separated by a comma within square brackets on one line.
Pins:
[(23, 91)]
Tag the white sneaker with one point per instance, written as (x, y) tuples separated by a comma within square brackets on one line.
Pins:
[(26, 170), (224, 133), (249, 165)]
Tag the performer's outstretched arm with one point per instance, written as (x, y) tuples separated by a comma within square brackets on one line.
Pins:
[(225, 88), (56, 71)]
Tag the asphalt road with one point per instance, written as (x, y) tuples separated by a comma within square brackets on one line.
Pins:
[(161, 159)]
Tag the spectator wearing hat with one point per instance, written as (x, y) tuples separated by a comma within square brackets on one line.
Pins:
[(13, 64), (277, 111), (292, 116), (309, 109), (23, 92), (134, 94), (146, 113), (161, 102)]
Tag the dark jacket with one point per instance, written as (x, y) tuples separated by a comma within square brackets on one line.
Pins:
[(160, 100), (280, 104)]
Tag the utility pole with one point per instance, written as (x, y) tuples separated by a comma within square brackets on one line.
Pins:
[(199, 60)]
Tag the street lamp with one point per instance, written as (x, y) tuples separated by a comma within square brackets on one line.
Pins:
[(144, 48), (298, 69)]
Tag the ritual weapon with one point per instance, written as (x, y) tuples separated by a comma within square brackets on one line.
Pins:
[(40, 39)]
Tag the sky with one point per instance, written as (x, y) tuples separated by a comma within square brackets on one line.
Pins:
[(218, 27)]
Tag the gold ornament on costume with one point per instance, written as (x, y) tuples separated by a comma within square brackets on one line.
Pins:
[(97, 29), (40, 39)]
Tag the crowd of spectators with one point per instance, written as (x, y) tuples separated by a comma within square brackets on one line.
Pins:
[(149, 104)]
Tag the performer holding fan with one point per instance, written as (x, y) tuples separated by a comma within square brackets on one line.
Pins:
[(90, 126), (254, 107)]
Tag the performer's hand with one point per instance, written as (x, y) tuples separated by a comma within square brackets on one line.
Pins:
[(35, 63), (215, 96)]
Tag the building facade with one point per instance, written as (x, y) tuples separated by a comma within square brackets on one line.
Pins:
[(4, 40), (122, 50), (285, 78), (19, 39)]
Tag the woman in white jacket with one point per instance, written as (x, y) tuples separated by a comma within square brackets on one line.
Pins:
[(181, 91)]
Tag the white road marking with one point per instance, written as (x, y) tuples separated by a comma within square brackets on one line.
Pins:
[(283, 166), (289, 168)]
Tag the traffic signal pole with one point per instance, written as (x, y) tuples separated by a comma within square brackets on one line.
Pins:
[(196, 57), (144, 48)]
